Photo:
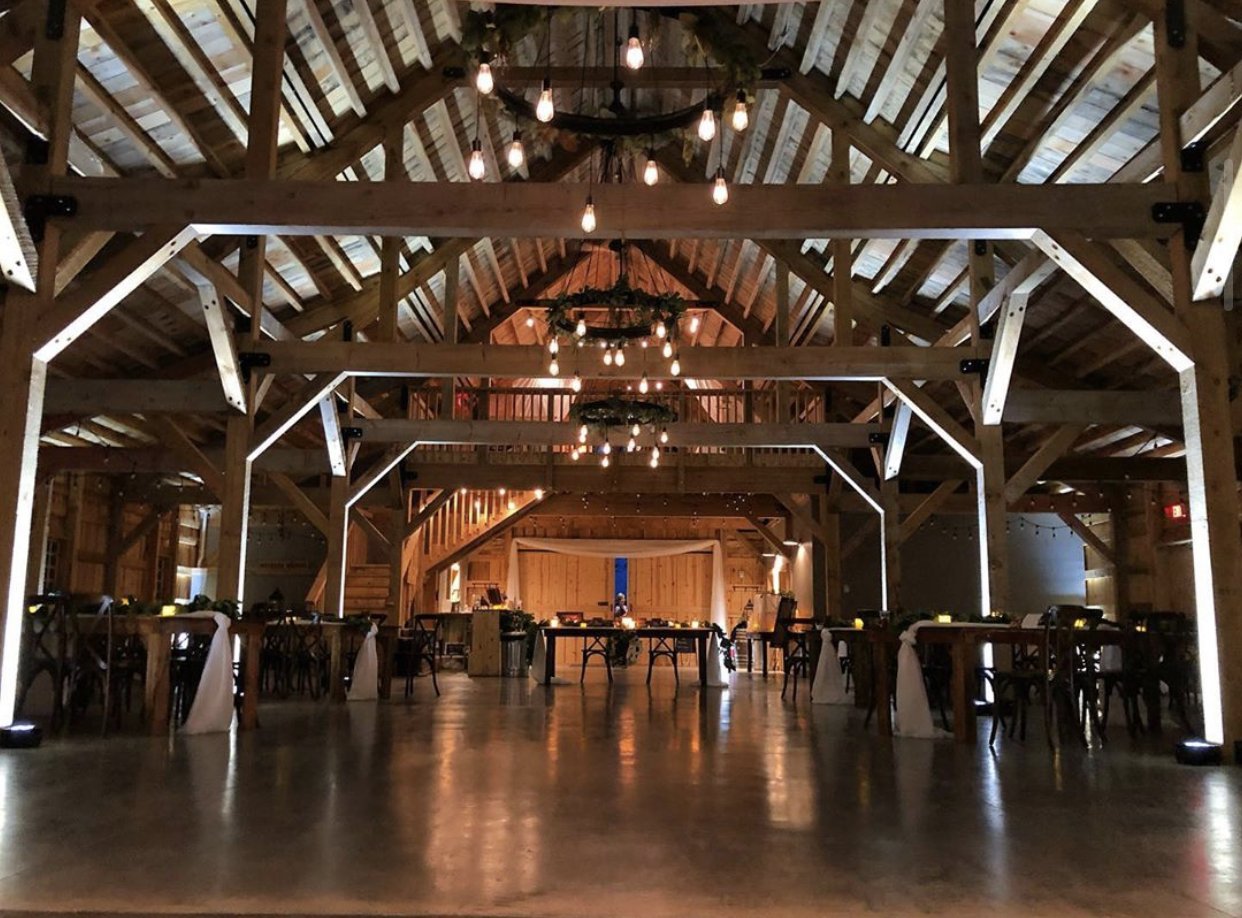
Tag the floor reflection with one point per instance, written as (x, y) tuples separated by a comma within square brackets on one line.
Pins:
[(502, 797)]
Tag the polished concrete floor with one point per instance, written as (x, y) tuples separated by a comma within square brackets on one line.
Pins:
[(503, 798)]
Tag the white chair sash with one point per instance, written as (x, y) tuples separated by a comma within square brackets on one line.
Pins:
[(212, 711), (364, 685), (829, 685)]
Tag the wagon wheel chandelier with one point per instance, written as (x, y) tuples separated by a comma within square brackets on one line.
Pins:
[(489, 38), (636, 313)]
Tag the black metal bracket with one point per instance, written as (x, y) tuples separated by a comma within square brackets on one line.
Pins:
[(347, 330), (250, 360), (1194, 157), (54, 25), (975, 365), (1175, 22), (39, 207), (886, 335), (1190, 214), (351, 433), (878, 439)]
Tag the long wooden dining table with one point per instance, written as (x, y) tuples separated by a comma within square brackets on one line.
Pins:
[(964, 642), (157, 633), (701, 636)]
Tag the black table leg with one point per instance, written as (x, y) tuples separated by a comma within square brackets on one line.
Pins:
[(763, 648), (750, 654), (549, 669), (702, 659)]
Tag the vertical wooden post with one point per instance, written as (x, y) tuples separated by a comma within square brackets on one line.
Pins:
[(890, 545), (234, 511), (826, 546), (396, 561), (338, 526), (820, 574), (116, 534), (842, 250), (780, 328), (42, 516), (966, 166), (1211, 475), (75, 488), (452, 274), (394, 154), (22, 378)]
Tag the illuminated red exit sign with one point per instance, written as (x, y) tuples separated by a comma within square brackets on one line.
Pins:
[(1176, 512)]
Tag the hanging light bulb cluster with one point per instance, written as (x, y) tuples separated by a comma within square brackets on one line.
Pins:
[(598, 420)]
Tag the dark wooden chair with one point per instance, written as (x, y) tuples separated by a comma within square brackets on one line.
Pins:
[(597, 646), (795, 653), (419, 642), (670, 648)]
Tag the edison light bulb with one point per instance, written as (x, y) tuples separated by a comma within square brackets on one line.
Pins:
[(582, 434), (604, 462), (661, 329), (720, 190), (530, 321), (707, 125), (694, 324), (643, 385), (607, 448), (517, 152), (484, 82), (554, 346), (651, 172), (576, 385), (544, 109), (631, 445), (574, 454), (741, 118), (588, 217), (619, 359), (477, 167), (580, 328), (675, 369), (608, 357), (655, 454), (554, 368), (655, 463), (664, 436), (667, 350), (635, 430), (634, 49)]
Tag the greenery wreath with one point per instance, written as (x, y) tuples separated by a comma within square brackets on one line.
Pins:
[(634, 312), (621, 412)]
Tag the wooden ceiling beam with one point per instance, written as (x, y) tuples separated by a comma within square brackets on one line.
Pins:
[(868, 364), (243, 206)]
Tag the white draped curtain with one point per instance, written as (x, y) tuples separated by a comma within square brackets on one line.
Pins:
[(623, 548)]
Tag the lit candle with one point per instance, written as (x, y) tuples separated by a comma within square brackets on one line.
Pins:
[(858, 623), (944, 618)]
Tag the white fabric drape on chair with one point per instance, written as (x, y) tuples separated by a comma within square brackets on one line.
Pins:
[(624, 548), (364, 685), (212, 711), (829, 686)]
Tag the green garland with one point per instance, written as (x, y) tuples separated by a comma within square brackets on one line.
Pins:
[(621, 412), (643, 309)]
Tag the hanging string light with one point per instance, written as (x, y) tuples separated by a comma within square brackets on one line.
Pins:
[(588, 215), (484, 81), (608, 357), (651, 172), (619, 358), (554, 346), (580, 329), (667, 350), (720, 189), (664, 435), (655, 456), (741, 118), (545, 110), (643, 385), (694, 324), (574, 454), (675, 368), (517, 152), (707, 125), (634, 49), (554, 368), (576, 385), (631, 445), (582, 434), (635, 430), (661, 329)]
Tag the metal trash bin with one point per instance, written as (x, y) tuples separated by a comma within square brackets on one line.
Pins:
[(513, 653)]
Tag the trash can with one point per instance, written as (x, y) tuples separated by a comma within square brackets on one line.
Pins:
[(513, 653)]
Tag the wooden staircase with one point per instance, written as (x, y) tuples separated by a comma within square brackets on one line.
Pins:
[(366, 588), (469, 520)]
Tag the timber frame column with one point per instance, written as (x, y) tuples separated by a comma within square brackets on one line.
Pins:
[(22, 376), (966, 167), (1211, 475), (262, 127)]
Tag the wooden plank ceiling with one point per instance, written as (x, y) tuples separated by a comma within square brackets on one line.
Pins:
[(1067, 94)]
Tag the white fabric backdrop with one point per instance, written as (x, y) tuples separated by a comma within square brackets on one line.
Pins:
[(624, 548), (212, 711)]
